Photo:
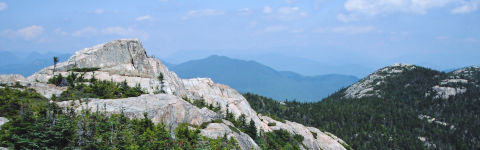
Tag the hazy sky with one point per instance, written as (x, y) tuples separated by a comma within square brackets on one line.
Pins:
[(441, 34)]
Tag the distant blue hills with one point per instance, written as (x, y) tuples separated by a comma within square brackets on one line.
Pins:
[(251, 76), (27, 64)]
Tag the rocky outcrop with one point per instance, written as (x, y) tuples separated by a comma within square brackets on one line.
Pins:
[(313, 137), (3, 121), (223, 96), (167, 109), (126, 60), (456, 83), (45, 89), (446, 92), (218, 130), (366, 86), (119, 60)]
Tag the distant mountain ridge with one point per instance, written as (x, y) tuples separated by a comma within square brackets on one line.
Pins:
[(29, 64), (251, 76)]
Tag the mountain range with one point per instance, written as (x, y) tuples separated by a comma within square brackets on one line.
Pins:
[(251, 76), (11, 63)]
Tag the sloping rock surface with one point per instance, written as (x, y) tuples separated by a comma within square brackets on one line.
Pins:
[(126, 60), (218, 130), (366, 86)]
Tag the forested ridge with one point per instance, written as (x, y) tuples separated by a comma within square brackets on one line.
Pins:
[(407, 115)]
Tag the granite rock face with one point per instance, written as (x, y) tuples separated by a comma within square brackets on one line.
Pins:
[(119, 60), (3, 121), (457, 82), (46, 90), (218, 130), (126, 60), (322, 140), (366, 86), (161, 108)]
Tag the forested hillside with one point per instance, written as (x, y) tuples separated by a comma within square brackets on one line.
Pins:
[(407, 110)]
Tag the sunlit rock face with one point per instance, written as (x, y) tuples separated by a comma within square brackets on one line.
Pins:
[(161, 108), (3, 121), (119, 60), (366, 86), (126, 60)]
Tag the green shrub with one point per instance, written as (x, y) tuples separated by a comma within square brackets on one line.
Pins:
[(101, 89), (314, 134), (272, 124), (84, 69), (57, 80)]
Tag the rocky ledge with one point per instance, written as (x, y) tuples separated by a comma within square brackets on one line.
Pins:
[(126, 60)]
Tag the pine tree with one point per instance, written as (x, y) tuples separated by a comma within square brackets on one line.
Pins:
[(252, 129), (55, 61)]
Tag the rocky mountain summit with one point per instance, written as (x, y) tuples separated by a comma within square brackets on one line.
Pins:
[(126, 60), (440, 85), (418, 105), (367, 86)]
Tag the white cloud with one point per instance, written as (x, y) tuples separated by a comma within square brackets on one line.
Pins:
[(201, 13), (287, 10), (27, 33), (285, 13), (276, 28), (471, 40), (125, 32), (98, 11), (376, 7), (119, 31), (441, 37), (291, 1), (267, 9), (142, 18), (245, 11), (252, 24), (347, 18), (353, 29), (467, 7), (356, 8), (60, 31), (31, 32), (346, 29), (3, 6), (297, 31), (87, 31)]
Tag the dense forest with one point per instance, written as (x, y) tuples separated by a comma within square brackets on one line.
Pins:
[(401, 119)]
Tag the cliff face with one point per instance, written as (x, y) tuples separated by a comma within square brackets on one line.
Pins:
[(126, 60), (119, 60)]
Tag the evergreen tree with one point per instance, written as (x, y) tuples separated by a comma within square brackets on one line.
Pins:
[(252, 129), (55, 61)]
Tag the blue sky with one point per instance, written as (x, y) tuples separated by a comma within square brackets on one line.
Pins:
[(305, 36)]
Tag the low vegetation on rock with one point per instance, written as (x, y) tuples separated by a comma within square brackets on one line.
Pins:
[(78, 88), (37, 124)]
